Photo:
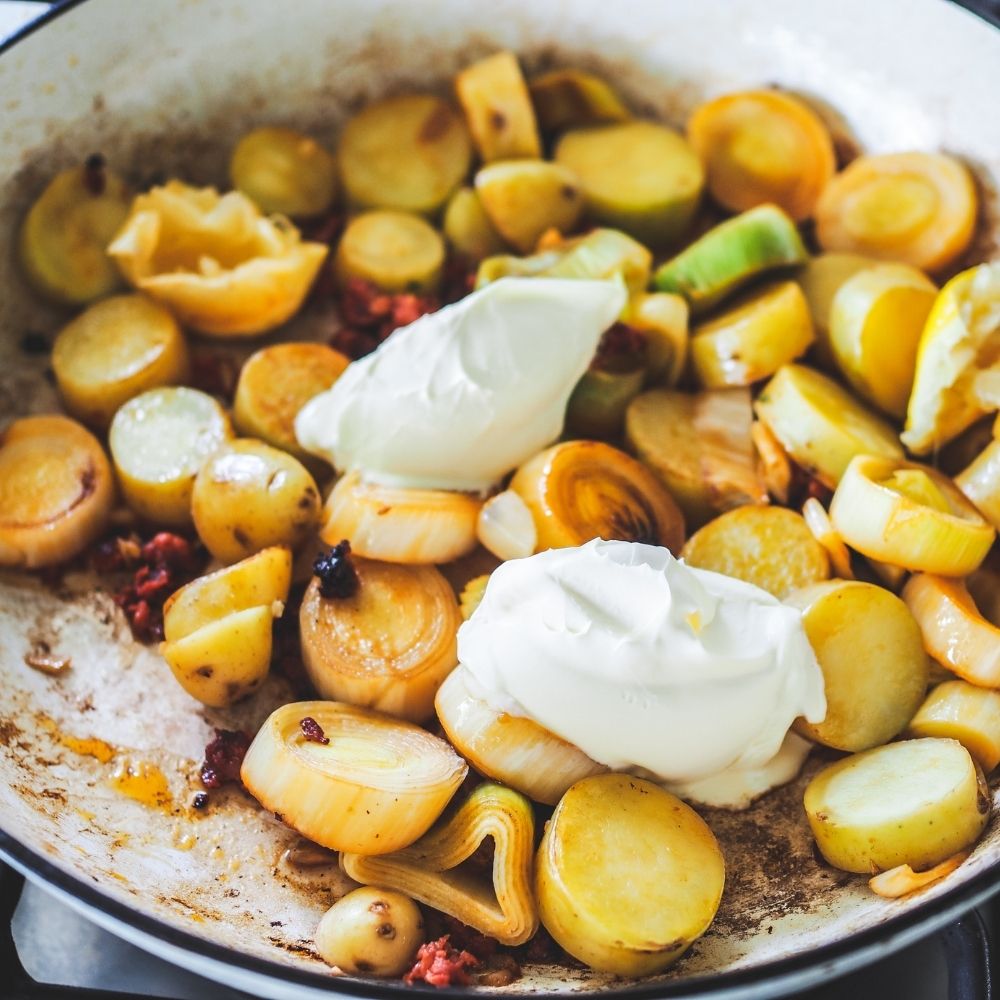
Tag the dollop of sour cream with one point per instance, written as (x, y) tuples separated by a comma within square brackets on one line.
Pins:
[(460, 397), (647, 665)]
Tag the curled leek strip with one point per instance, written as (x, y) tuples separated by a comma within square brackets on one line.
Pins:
[(501, 905), (909, 515)]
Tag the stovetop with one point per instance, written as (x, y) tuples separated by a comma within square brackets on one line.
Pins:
[(49, 952)]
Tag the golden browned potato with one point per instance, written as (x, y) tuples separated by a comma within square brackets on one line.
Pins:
[(915, 803), (771, 547), (874, 666), (56, 491), (627, 875), (114, 350), (371, 932), (248, 496)]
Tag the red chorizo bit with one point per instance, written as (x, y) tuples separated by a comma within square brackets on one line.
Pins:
[(353, 342), (313, 731), (224, 757), (618, 341), (337, 576), (466, 938), (439, 964), (117, 553)]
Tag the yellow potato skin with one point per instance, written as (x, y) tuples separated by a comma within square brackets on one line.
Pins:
[(249, 496), (627, 876), (116, 349), (874, 810), (225, 660), (871, 653), (258, 581)]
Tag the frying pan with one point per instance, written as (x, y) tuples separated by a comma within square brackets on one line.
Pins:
[(163, 88)]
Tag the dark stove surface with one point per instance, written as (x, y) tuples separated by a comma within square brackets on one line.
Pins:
[(49, 952)]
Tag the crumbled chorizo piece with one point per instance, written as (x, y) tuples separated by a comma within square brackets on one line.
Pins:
[(439, 964), (224, 757), (313, 731), (618, 341), (337, 576)]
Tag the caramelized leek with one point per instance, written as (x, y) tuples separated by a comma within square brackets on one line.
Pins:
[(505, 526), (954, 631), (389, 645), (375, 787), (818, 522), (980, 482), (508, 748), (902, 880), (500, 903), (909, 515), (965, 712)]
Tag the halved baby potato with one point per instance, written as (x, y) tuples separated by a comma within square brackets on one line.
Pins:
[(159, 440), (525, 198), (770, 547), (916, 803), (406, 153), (56, 491), (875, 670), (114, 350), (468, 228), (62, 241), (248, 496), (627, 875)]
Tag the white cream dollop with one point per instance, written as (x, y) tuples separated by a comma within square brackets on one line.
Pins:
[(644, 663), (460, 397)]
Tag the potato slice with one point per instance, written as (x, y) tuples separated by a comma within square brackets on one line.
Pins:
[(961, 711), (261, 580), (406, 153), (395, 251), (389, 645), (62, 241), (819, 278), (569, 98), (225, 660), (820, 424), (627, 875), (770, 547), (875, 670), (876, 320), (915, 803), (249, 496), (56, 491), (525, 198), (752, 337), (285, 172), (498, 108), (114, 350), (158, 441), (637, 176), (275, 383), (468, 228)]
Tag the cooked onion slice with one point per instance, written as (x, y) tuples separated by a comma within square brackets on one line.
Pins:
[(902, 880), (909, 515), (818, 522), (389, 645), (500, 904), (954, 631), (514, 750), (375, 787)]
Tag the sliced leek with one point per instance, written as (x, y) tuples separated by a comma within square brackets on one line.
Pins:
[(954, 631), (980, 482), (400, 525), (376, 786), (909, 515), (505, 526), (500, 904), (818, 522), (820, 424), (752, 337), (508, 748), (965, 712), (579, 490), (472, 595), (902, 880), (663, 318), (775, 466), (56, 491), (387, 647)]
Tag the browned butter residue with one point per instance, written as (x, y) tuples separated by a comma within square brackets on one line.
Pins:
[(89, 747), (143, 782)]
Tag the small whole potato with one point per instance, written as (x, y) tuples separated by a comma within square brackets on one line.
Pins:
[(248, 496), (371, 932)]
